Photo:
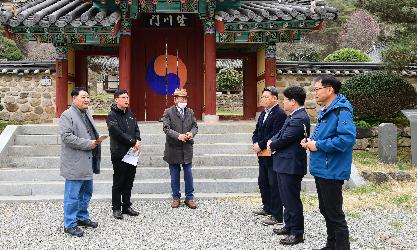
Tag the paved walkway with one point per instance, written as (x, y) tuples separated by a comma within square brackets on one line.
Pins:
[(216, 224)]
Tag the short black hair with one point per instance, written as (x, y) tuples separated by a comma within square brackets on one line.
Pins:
[(76, 91), (273, 91), (296, 93), (119, 92), (329, 81)]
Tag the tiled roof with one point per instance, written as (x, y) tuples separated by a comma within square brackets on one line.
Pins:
[(284, 10), (24, 68), (46, 13), (111, 66), (335, 68)]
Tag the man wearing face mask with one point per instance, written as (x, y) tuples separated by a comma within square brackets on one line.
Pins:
[(124, 134), (180, 127)]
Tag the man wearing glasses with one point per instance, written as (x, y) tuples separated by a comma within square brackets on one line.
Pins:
[(269, 123), (331, 148), (124, 134)]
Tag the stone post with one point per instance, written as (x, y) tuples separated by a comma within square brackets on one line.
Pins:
[(387, 142)]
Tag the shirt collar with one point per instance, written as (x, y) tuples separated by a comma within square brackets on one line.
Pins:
[(269, 109), (301, 107)]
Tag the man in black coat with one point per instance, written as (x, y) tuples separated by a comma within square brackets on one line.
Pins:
[(269, 123), (289, 162), (124, 134)]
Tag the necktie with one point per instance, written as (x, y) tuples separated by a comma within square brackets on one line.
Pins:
[(182, 113), (266, 115)]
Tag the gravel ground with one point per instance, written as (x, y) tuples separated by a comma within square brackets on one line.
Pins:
[(216, 224)]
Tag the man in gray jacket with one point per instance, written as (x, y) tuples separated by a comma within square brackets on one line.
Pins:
[(80, 158), (180, 127)]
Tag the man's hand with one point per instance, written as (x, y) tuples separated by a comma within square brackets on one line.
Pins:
[(312, 146), (189, 136), (182, 137), (94, 144), (256, 148), (309, 144), (137, 146)]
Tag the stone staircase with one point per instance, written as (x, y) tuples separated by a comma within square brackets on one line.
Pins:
[(223, 162)]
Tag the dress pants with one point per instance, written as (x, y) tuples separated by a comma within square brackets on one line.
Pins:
[(175, 180), (123, 180), (331, 207), (289, 186), (77, 195), (269, 188)]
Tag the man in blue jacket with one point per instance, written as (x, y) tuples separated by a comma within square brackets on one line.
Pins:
[(289, 163), (331, 147), (269, 123)]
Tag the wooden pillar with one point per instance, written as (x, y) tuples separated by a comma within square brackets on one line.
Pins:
[(61, 81), (71, 73), (81, 70), (125, 56), (270, 74), (210, 72)]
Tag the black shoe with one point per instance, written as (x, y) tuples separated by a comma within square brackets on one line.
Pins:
[(281, 231), (129, 211), (117, 214), (292, 240), (74, 231), (270, 221), (260, 212), (87, 223)]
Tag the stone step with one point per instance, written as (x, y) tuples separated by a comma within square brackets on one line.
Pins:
[(150, 128), (144, 186), (198, 149), (219, 172), (144, 161), (147, 139)]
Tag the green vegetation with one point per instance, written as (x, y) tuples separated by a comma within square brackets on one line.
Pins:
[(9, 50), (379, 97), (228, 79), (361, 123), (347, 55)]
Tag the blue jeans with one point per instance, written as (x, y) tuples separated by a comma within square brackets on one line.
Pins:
[(77, 195), (175, 180)]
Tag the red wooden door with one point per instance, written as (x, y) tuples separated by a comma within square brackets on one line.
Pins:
[(148, 45)]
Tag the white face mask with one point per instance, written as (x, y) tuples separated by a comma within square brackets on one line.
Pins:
[(182, 105)]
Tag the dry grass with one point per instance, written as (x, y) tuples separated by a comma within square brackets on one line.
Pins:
[(389, 195), (369, 161)]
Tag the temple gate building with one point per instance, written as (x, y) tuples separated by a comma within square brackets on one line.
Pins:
[(166, 44)]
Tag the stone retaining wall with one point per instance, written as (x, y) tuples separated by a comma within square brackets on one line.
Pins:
[(24, 99), (368, 138), (229, 102)]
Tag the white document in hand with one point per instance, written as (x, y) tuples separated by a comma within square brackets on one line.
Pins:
[(131, 157)]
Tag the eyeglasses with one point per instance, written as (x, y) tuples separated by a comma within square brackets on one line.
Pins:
[(317, 89)]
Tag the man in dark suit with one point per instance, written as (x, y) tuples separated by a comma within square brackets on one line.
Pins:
[(269, 123), (289, 162)]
